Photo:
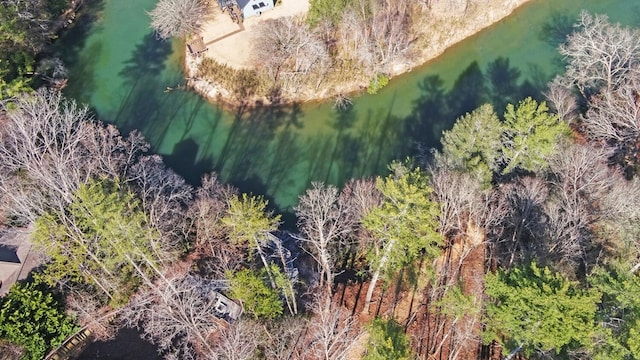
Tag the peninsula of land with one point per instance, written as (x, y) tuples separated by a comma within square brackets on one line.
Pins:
[(229, 70)]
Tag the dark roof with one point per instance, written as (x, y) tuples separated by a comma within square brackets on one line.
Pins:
[(8, 254)]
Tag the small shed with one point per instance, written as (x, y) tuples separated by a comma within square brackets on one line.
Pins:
[(254, 7), (225, 308), (197, 46)]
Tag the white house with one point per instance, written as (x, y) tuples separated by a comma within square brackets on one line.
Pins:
[(254, 7)]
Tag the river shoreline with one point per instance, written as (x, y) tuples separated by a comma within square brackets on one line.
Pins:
[(449, 32)]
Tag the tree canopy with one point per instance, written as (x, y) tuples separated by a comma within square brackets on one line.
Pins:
[(32, 318), (403, 226), (25, 27), (178, 18), (531, 135), (102, 240), (253, 290), (619, 314), (536, 309), (387, 341), (474, 143)]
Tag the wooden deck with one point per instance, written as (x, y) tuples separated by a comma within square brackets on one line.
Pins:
[(197, 47)]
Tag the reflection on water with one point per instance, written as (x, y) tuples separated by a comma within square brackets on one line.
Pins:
[(130, 78)]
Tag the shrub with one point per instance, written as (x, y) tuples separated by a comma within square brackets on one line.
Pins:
[(33, 319), (377, 83)]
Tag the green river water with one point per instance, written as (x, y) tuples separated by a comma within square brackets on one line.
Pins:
[(118, 67)]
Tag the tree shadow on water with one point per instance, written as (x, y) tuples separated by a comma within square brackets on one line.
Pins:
[(184, 161), (141, 75), (437, 109), (148, 59), (78, 59), (261, 149), (503, 80), (555, 31)]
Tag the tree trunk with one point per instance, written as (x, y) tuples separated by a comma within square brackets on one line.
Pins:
[(514, 352), (266, 265), (328, 274), (376, 275)]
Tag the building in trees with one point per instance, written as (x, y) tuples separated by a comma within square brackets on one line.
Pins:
[(225, 308), (12, 261), (254, 7), (247, 8)]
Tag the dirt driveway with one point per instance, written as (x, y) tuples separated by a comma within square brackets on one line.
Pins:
[(229, 43)]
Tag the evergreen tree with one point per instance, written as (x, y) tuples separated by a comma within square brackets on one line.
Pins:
[(474, 143), (249, 223), (33, 319), (404, 226), (102, 239), (387, 341), (530, 136), (253, 290), (535, 309), (617, 336), (330, 10), (25, 28)]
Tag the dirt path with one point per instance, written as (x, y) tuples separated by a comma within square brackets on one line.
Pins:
[(228, 43)]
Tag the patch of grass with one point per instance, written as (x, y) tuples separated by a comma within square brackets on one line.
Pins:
[(240, 82)]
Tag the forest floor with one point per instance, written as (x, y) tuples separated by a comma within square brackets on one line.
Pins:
[(228, 43), (413, 306)]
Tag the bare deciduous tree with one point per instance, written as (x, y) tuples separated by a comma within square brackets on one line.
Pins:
[(586, 194), (613, 118), (390, 30), (376, 32), (601, 55), (363, 196), (49, 146), (284, 339), (204, 225), (561, 99), (86, 308), (165, 199), (324, 220), (332, 331), (288, 49), (459, 197), (521, 204), (179, 18), (238, 341), (179, 318)]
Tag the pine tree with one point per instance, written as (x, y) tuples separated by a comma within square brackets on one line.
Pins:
[(530, 136), (617, 336), (404, 225), (537, 309), (249, 223), (253, 290), (102, 239), (387, 341), (474, 143)]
